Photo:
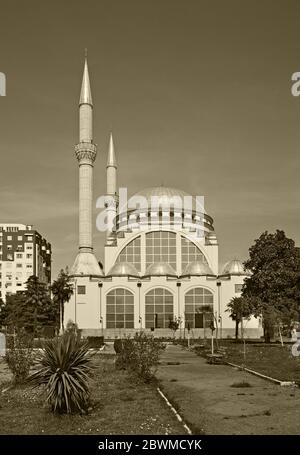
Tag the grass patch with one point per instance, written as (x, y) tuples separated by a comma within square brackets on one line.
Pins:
[(119, 405), (241, 384), (275, 361)]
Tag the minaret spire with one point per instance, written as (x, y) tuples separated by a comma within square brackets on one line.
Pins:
[(86, 152), (111, 157), (85, 94), (111, 191)]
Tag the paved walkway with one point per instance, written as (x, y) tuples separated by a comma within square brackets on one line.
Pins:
[(204, 396)]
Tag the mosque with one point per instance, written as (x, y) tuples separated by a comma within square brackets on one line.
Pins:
[(161, 260)]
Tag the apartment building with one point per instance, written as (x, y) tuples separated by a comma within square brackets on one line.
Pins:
[(23, 252)]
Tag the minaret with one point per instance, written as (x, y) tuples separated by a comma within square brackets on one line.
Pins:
[(85, 151), (111, 189)]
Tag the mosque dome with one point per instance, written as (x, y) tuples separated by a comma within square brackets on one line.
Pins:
[(160, 196), (197, 268), (123, 269), (234, 267), (160, 269)]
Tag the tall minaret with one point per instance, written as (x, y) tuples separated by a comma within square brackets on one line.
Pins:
[(111, 189), (86, 151)]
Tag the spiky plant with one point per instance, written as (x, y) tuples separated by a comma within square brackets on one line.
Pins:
[(65, 370)]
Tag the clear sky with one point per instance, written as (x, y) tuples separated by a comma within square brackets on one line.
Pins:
[(196, 92)]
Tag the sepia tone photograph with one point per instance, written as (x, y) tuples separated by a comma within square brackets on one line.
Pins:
[(149, 222)]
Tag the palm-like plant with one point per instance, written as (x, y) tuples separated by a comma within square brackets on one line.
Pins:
[(62, 290), (65, 370)]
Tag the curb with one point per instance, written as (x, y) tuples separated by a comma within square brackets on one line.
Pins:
[(179, 418), (263, 376)]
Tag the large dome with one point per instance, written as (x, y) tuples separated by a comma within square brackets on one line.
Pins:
[(160, 196)]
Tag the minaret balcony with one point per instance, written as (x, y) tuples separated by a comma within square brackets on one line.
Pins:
[(85, 152)]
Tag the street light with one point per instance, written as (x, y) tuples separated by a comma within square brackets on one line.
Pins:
[(100, 284)]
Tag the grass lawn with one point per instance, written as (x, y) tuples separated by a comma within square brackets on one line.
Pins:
[(272, 360), (120, 405)]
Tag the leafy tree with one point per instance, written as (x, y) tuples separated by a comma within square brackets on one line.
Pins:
[(38, 309), (273, 289), (174, 325), (238, 307), (62, 290), (3, 313)]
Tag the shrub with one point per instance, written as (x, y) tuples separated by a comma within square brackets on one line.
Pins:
[(19, 356), (118, 345), (95, 342), (65, 370), (140, 355)]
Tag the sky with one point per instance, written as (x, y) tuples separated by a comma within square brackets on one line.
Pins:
[(197, 94)]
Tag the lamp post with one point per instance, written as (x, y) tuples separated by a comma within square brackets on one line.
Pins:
[(219, 309), (178, 284), (75, 302), (100, 284), (139, 285)]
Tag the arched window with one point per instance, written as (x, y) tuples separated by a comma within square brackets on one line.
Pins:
[(190, 253), (161, 247), (198, 308), (132, 253), (159, 308), (119, 309)]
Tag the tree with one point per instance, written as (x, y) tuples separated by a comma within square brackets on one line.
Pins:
[(273, 289), (62, 290), (239, 308), (38, 309), (2, 313), (174, 325)]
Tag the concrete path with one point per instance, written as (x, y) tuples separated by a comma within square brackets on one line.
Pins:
[(203, 395)]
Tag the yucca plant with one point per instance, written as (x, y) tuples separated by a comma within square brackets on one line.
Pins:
[(65, 370)]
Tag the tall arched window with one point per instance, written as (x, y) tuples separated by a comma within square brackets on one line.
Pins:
[(159, 308), (120, 309), (161, 247), (198, 308), (190, 253), (132, 253)]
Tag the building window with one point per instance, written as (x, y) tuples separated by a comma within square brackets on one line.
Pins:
[(198, 308), (19, 256), (28, 247), (120, 309), (159, 308), (190, 253), (28, 256), (238, 288), (20, 238), (19, 266), (161, 247), (9, 247), (80, 289), (28, 266), (132, 253), (9, 237), (10, 257)]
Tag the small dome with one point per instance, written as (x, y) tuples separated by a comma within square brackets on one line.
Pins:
[(160, 269), (86, 265), (123, 269), (234, 267), (197, 268)]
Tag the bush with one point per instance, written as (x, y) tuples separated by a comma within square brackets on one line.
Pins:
[(140, 355), (118, 345), (65, 370), (95, 342), (19, 356)]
